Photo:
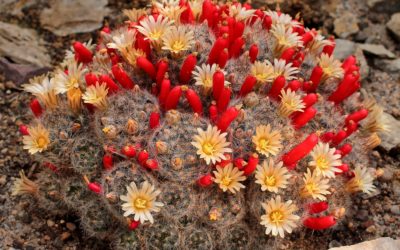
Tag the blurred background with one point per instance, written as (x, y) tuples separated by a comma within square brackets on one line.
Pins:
[(34, 35)]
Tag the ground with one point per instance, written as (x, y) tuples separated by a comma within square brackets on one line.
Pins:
[(22, 226)]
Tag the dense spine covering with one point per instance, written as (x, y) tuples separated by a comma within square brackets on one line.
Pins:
[(204, 125)]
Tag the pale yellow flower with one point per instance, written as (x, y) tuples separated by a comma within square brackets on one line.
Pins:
[(141, 202), (123, 41), (75, 78), (267, 142), (177, 39), (38, 139), (361, 182), (154, 29), (290, 102), (134, 14), (325, 161), (204, 75), (240, 13), (96, 95), (316, 45), (279, 217), (197, 7), (24, 186), (45, 91), (315, 186), (271, 176), (330, 67), (262, 71), (281, 68), (285, 38), (211, 144), (228, 178), (282, 19)]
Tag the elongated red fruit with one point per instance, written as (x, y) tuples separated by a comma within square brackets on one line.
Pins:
[(154, 120), (267, 22), (351, 128), (251, 165), (194, 101), (345, 149), (294, 85), (134, 224), (213, 110), (318, 207), (122, 77), (205, 180), (91, 79), (315, 77), (82, 54), (23, 129), (107, 162), (227, 118), (357, 116), (173, 98), (144, 64), (218, 84), (142, 157), (345, 88), (161, 70), (164, 91), (239, 163), (187, 15), (348, 62), (187, 68), (236, 47), (303, 118), (288, 54), (329, 48), (339, 137), (220, 44), (276, 88), (238, 29), (327, 137), (320, 223), (224, 99), (129, 151), (291, 158), (307, 37), (36, 107), (143, 44), (248, 85), (253, 53), (310, 100), (111, 85), (94, 187), (344, 167), (151, 164), (223, 58)]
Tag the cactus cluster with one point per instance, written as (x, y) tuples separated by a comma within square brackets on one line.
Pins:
[(201, 125)]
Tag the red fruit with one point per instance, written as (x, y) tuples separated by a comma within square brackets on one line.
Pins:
[(187, 15), (129, 151), (329, 48), (267, 22), (213, 110), (345, 149), (142, 157), (220, 44), (251, 165), (291, 158), (154, 120), (122, 77), (218, 84), (339, 137), (344, 168), (307, 37), (205, 180), (239, 163), (288, 54), (224, 99), (315, 78), (317, 207), (164, 91), (236, 47), (23, 129), (327, 137), (134, 224), (346, 87), (107, 162), (294, 85), (94, 187), (144, 64), (91, 79), (348, 62), (357, 116), (151, 164), (173, 98), (223, 58), (319, 223), (276, 88), (194, 101), (301, 119), (82, 54), (36, 107), (224, 163), (310, 100), (253, 52), (248, 85), (187, 68), (111, 85), (227, 118), (162, 68)]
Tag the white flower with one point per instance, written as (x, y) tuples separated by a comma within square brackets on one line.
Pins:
[(315, 186), (141, 202), (204, 75), (96, 95), (228, 178), (123, 41), (74, 79), (330, 67), (211, 144), (279, 217), (45, 91), (266, 141), (290, 102), (281, 18), (177, 39), (240, 13), (282, 69), (362, 181), (285, 38), (262, 71), (38, 139), (154, 29), (325, 160), (271, 176)]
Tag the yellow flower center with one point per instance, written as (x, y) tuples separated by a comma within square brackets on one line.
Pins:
[(177, 46), (226, 180), (322, 163), (264, 144), (155, 35), (106, 130), (207, 81), (276, 217), (311, 188), (140, 203), (328, 71), (261, 76), (291, 105), (74, 83), (41, 142), (208, 148), (270, 180)]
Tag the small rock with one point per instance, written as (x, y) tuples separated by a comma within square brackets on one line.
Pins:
[(371, 229), (3, 180), (364, 68), (50, 223), (394, 25), (390, 66), (346, 24), (66, 17), (344, 48), (70, 226), (377, 50), (396, 188), (65, 235), (22, 45), (387, 174), (20, 73), (391, 138), (383, 243), (362, 215), (395, 209)]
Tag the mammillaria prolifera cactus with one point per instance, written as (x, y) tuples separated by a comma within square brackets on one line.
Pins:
[(202, 125)]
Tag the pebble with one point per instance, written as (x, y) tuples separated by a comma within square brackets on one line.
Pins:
[(394, 25), (395, 209), (346, 24), (3, 180), (362, 215), (70, 226), (371, 229), (387, 174), (65, 235), (50, 223)]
